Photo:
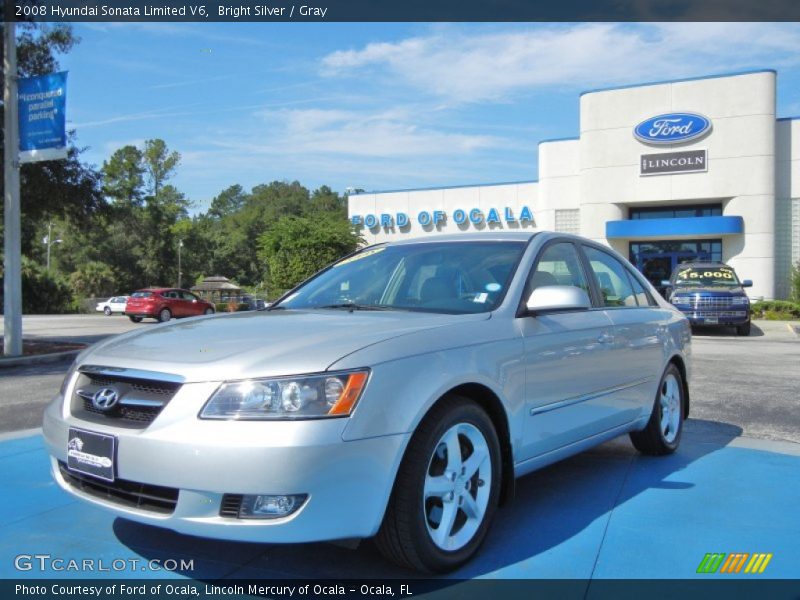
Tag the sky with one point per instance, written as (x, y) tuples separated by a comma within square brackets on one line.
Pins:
[(379, 106)]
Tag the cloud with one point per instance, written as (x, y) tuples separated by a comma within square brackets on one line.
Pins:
[(473, 65), (385, 133)]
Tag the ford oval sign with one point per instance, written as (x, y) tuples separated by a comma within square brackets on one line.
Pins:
[(672, 128)]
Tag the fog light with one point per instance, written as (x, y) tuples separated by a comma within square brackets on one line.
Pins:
[(270, 507)]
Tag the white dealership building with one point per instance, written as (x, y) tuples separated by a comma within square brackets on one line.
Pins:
[(663, 172)]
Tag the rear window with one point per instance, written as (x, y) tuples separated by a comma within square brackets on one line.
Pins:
[(142, 294)]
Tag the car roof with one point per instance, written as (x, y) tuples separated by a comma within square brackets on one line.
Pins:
[(481, 236)]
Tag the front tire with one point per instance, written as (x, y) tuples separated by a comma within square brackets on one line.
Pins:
[(446, 490), (209, 311), (135, 319), (662, 435), (164, 315), (743, 329), (107, 311)]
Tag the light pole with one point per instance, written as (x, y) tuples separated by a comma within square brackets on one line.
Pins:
[(12, 258), (50, 241), (180, 245)]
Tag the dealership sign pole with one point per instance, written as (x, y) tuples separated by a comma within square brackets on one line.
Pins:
[(12, 281)]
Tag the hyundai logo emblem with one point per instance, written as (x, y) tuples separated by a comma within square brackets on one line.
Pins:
[(105, 399)]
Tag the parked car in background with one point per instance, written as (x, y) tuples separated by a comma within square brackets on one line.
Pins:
[(397, 394), (710, 293), (115, 304), (164, 304)]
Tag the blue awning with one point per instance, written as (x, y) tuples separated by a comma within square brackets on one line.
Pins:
[(676, 227)]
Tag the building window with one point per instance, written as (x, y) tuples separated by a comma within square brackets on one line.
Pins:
[(568, 221), (657, 259), (677, 212), (787, 243)]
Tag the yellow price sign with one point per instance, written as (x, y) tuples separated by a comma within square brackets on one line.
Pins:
[(359, 256)]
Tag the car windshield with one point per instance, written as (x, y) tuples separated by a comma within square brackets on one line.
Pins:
[(141, 294), (707, 276), (443, 277)]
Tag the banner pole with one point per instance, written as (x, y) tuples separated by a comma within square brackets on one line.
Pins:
[(12, 281)]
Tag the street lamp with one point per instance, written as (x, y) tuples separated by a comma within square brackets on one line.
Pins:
[(48, 239), (180, 274)]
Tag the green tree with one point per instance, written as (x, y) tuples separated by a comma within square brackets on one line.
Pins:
[(297, 247), (159, 164), (50, 190), (92, 280), (123, 176), (795, 283), (229, 201)]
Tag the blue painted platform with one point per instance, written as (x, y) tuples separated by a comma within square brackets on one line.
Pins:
[(607, 513)]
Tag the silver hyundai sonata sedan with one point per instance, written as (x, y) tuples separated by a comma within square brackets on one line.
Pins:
[(398, 394)]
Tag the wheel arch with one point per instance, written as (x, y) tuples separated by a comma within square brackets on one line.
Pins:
[(491, 403)]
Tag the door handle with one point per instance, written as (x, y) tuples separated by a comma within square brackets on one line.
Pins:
[(605, 338)]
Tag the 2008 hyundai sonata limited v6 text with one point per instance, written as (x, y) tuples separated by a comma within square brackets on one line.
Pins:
[(398, 393)]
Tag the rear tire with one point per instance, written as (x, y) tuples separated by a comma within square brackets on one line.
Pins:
[(135, 319), (743, 329), (209, 311), (438, 488), (107, 311), (164, 315), (662, 435)]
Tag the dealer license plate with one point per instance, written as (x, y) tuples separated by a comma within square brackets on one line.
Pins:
[(711, 320), (91, 453)]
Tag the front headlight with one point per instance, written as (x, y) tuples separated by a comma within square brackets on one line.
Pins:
[(740, 300), (301, 397), (681, 300)]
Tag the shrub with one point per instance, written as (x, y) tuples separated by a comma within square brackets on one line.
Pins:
[(775, 310), (42, 292)]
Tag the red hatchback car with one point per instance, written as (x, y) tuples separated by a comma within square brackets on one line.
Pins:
[(163, 304)]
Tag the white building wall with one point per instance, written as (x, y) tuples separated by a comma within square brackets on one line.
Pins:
[(741, 162), (447, 200), (753, 170), (787, 217), (559, 180)]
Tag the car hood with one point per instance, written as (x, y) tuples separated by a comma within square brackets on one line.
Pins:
[(711, 290), (259, 344)]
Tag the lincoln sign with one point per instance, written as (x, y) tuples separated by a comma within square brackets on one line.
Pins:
[(689, 161)]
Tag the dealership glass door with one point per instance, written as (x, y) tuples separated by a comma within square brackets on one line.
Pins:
[(657, 259)]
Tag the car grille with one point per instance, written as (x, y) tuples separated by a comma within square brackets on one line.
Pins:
[(701, 302), (153, 498), (231, 504), (139, 400)]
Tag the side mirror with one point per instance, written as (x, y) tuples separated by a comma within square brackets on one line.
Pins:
[(557, 298), (666, 283), (747, 283)]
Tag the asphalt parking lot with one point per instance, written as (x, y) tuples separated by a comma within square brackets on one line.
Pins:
[(607, 513)]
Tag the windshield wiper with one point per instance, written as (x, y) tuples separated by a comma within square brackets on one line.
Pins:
[(351, 306)]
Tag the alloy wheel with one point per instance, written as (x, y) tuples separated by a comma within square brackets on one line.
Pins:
[(457, 487), (670, 399)]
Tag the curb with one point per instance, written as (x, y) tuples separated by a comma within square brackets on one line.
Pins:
[(39, 359)]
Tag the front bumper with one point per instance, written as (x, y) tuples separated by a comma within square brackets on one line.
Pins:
[(727, 317), (348, 482)]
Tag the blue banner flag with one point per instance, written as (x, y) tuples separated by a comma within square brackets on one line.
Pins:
[(42, 119)]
